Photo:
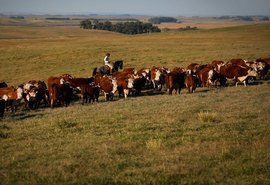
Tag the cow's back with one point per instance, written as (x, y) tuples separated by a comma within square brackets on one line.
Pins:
[(232, 71)]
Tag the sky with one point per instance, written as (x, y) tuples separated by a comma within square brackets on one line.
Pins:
[(137, 7)]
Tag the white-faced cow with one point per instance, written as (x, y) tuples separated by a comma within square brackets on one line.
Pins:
[(237, 73)]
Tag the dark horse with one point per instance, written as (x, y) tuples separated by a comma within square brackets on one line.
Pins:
[(105, 70)]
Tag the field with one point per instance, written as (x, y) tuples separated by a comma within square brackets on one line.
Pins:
[(215, 136)]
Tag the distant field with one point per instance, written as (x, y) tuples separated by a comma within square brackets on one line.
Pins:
[(206, 23), (215, 136), (203, 24)]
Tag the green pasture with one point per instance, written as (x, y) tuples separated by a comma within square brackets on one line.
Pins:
[(215, 136), (38, 52)]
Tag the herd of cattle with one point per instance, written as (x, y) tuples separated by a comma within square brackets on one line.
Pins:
[(61, 90)]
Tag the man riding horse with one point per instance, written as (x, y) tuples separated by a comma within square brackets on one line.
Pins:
[(107, 62), (108, 67)]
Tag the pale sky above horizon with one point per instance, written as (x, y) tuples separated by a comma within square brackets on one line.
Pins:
[(138, 7)]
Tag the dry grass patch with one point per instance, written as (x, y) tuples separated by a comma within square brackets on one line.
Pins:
[(207, 117), (153, 144)]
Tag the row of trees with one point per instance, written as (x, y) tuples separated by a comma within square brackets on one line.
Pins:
[(134, 27), (158, 20)]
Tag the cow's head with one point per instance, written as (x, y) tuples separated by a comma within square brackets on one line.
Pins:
[(130, 83), (32, 94), (19, 92), (260, 65)]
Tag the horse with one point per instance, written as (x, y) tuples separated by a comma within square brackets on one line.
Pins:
[(105, 70)]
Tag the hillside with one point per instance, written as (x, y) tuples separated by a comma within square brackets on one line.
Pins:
[(57, 50)]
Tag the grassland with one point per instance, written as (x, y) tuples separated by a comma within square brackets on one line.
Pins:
[(215, 136)]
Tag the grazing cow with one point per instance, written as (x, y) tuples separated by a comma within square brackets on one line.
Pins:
[(174, 81), (53, 83), (35, 92), (65, 93), (77, 82), (89, 92), (191, 82), (206, 76), (155, 76), (139, 83), (30, 98), (158, 76), (107, 85), (237, 73), (124, 85), (35, 96), (12, 96)]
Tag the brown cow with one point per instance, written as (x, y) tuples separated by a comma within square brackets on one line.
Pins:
[(107, 85), (53, 83), (158, 77), (12, 95), (122, 74), (238, 62), (35, 92), (64, 92), (174, 81), (139, 83), (191, 82), (124, 85), (237, 73), (77, 82), (89, 92), (130, 70), (206, 76)]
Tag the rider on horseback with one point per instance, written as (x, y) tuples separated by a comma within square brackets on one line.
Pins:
[(107, 62)]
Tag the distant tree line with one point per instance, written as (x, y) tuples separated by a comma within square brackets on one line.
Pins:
[(243, 18), (58, 18), (187, 28), (133, 27), (158, 20), (16, 17)]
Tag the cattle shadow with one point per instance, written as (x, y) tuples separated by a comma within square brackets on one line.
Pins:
[(152, 92), (256, 83), (198, 90), (25, 115)]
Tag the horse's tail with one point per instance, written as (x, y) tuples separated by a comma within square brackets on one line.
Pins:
[(94, 71)]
